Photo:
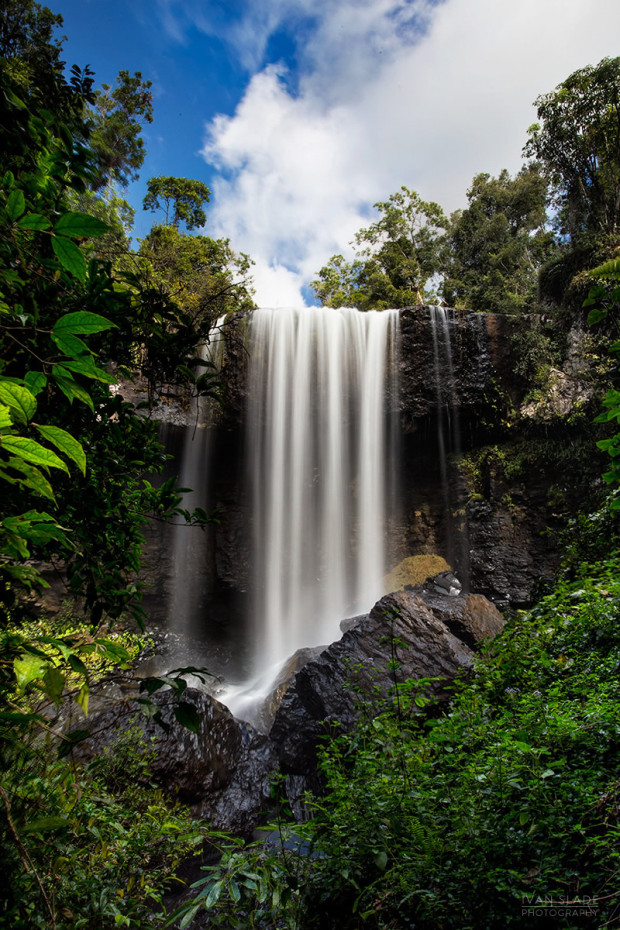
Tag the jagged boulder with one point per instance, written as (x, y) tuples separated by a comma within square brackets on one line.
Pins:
[(222, 772), (325, 693), (472, 618)]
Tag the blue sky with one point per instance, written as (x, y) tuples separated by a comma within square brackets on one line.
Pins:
[(300, 114)]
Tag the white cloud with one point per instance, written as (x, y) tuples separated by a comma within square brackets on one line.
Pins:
[(390, 92)]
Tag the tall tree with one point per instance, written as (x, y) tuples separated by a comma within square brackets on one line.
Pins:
[(577, 142), (396, 256), (115, 122), (181, 199), (202, 275), (498, 244)]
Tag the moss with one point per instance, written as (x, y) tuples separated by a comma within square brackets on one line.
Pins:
[(414, 570)]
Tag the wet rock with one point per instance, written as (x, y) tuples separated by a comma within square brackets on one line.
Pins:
[(222, 772), (325, 694)]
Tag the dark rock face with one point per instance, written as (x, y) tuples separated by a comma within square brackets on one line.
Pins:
[(326, 691), (222, 772)]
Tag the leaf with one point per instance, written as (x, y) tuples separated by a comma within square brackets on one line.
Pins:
[(81, 323), (381, 860), (34, 221), (54, 682), (187, 715), (73, 391), (69, 256), (32, 478), (86, 366), (80, 225), (5, 417), (66, 443), (35, 381), (32, 451), (28, 668), (189, 916), (45, 824), (16, 204), (70, 344), (69, 741), (82, 699), (77, 665), (595, 316), (21, 401)]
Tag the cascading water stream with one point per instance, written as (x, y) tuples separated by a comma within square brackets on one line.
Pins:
[(448, 434), (319, 446), (189, 545)]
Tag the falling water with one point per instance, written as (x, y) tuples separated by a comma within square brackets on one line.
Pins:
[(189, 545), (319, 447), (448, 437)]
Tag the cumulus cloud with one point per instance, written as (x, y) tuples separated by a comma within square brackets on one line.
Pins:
[(389, 92)]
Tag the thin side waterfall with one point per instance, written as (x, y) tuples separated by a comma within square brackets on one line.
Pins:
[(448, 436), (319, 447), (189, 545)]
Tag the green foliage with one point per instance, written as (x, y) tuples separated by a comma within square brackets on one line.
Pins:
[(181, 199), (97, 847), (456, 820), (396, 256), (252, 884), (577, 144), (114, 124), (497, 245), (203, 276)]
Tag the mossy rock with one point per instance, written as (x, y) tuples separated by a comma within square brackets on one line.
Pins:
[(415, 569)]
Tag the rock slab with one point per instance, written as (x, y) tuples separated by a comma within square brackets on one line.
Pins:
[(325, 693)]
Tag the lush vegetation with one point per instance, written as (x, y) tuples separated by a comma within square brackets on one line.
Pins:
[(83, 848), (430, 818)]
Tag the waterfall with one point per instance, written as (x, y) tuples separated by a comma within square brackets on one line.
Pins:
[(449, 437), (190, 545), (319, 446)]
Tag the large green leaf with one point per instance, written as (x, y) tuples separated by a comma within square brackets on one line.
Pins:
[(28, 668), (86, 366), (69, 256), (35, 381), (54, 682), (79, 225), (16, 204), (66, 443), (31, 478), (73, 391), (32, 451), (5, 417), (70, 345), (187, 716), (34, 221), (20, 400), (81, 323)]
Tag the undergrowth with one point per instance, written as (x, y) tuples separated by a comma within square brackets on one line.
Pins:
[(503, 811)]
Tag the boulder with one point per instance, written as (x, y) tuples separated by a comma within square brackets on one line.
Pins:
[(223, 772), (470, 617), (325, 693)]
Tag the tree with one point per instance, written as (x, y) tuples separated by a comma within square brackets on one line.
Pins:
[(202, 275), (396, 256), (181, 199), (114, 126), (577, 142), (498, 244), (29, 50)]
